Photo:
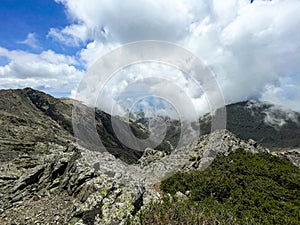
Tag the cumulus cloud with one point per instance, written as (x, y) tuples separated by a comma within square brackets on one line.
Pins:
[(256, 48), (126, 21), (94, 50), (47, 70), (252, 49)]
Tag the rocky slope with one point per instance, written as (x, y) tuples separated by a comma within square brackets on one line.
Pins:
[(46, 177), (89, 187), (29, 117)]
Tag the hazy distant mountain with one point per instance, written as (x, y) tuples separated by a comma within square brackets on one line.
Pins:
[(272, 126)]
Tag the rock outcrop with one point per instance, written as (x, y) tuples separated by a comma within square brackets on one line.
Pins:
[(292, 155)]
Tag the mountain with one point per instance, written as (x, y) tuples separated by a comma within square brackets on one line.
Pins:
[(28, 116), (272, 126), (48, 176)]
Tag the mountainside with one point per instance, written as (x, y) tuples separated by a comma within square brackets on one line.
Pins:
[(47, 176), (270, 125), (29, 116)]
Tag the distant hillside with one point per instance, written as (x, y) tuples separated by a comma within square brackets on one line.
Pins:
[(267, 124), (270, 125)]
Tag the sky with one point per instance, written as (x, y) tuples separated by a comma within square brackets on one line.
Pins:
[(253, 49)]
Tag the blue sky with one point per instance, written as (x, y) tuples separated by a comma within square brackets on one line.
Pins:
[(252, 48), (19, 18), (24, 26)]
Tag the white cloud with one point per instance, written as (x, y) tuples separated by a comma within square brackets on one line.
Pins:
[(129, 20), (72, 35), (285, 93), (275, 116), (46, 70), (253, 49), (250, 47), (31, 41), (94, 50), (148, 82), (257, 48)]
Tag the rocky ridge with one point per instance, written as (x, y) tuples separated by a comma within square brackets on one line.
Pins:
[(46, 177), (97, 188)]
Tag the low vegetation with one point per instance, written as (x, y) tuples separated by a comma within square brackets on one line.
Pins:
[(242, 188)]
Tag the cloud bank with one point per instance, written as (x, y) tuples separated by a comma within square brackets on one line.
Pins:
[(47, 71), (253, 49)]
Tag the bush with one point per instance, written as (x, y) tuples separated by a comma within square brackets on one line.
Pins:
[(242, 188)]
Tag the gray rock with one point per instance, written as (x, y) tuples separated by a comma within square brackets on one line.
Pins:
[(150, 156), (32, 176), (292, 155)]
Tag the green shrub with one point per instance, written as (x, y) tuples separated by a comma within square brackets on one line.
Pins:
[(242, 188)]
